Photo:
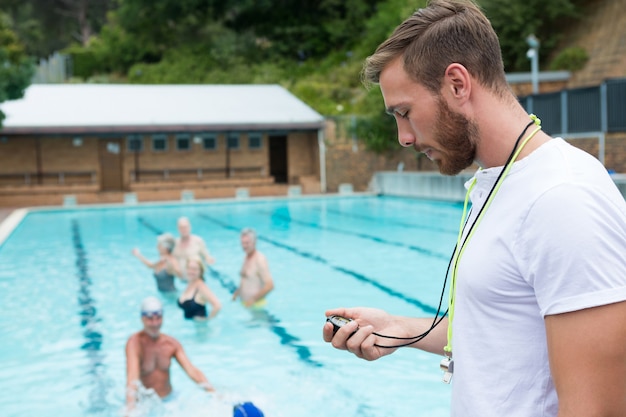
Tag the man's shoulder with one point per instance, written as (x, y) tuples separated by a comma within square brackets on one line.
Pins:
[(197, 239), (134, 336), (167, 339), (134, 340), (259, 256)]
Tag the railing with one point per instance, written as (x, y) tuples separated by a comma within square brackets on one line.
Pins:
[(581, 110), (432, 185), (182, 174), (58, 178), (54, 70)]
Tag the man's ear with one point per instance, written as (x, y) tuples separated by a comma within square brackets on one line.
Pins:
[(457, 84)]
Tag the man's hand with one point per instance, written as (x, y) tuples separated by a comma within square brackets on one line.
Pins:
[(357, 336)]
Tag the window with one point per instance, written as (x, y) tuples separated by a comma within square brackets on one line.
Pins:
[(159, 143), (134, 143), (209, 142), (233, 141), (183, 142), (255, 141)]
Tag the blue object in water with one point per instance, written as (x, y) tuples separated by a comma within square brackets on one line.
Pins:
[(246, 409)]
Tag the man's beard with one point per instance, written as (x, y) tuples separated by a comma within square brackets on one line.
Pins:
[(458, 138)]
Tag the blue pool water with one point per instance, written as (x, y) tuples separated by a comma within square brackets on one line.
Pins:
[(70, 293)]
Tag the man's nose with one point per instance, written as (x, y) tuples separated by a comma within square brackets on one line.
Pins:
[(406, 138)]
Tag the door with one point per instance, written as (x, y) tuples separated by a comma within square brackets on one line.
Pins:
[(110, 155), (278, 158)]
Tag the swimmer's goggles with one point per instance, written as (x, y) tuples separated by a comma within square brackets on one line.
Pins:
[(152, 314)]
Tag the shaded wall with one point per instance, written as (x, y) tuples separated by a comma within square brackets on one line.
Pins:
[(22, 156)]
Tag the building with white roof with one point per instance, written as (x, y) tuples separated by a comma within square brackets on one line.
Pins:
[(125, 137)]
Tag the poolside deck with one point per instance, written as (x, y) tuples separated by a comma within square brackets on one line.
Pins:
[(4, 213), (12, 197)]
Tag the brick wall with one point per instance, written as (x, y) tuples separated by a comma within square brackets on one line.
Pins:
[(196, 157), (302, 156), (526, 89), (350, 162), (615, 150), (17, 155)]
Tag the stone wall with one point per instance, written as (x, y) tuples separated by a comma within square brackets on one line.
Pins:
[(602, 33), (614, 152), (347, 160), (350, 162)]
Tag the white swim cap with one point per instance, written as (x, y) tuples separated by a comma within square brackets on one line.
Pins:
[(151, 304)]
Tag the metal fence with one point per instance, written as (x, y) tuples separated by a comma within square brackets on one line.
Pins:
[(600, 109), (54, 70)]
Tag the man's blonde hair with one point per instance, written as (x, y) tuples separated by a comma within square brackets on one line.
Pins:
[(444, 32)]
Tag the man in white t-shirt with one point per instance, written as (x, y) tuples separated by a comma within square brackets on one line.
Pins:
[(537, 320)]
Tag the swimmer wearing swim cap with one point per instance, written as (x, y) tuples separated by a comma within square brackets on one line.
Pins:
[(149, 353)]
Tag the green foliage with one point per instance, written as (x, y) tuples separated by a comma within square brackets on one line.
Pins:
[(313, 48), (301, 30), (161, 25), (85, 62), (115, 50), (16, 69), (388, 16), (573, 58), (514, 20), (375, 127), (48, 26)]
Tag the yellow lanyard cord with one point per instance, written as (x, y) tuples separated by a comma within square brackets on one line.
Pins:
[(460, 246)]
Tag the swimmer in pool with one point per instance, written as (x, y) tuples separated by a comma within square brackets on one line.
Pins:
[(189, 245), (256, 280), (149, 353), (167, 267), (194, 298)]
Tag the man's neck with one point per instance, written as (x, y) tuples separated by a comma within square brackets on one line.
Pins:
[(153, 336), (499, 134)]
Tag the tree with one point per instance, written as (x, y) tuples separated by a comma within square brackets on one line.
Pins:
[(302, 29), (85, 16), (47, 26), (16, 69), (514, 20)]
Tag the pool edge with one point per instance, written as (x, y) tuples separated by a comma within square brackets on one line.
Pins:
[(10, 222)]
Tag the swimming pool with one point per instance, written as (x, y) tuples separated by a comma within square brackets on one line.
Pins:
[(70, 293)]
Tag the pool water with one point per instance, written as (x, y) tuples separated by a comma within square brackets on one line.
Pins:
[(70, 292)]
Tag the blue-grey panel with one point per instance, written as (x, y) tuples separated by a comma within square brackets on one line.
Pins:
[(583, 110), (616, 105), (548, 108)]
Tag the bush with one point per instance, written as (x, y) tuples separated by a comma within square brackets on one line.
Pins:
[(571, 59), (85, 62)]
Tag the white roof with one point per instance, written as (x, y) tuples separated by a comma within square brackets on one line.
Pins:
[(67, 108)]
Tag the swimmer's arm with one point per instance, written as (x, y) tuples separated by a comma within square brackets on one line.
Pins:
[(212, 299), (236, 293), (204, 252), (132, 370), (193, 372), (143, 260), (173, 262)]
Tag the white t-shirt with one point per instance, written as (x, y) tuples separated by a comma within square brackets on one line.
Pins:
[(552, 241)]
